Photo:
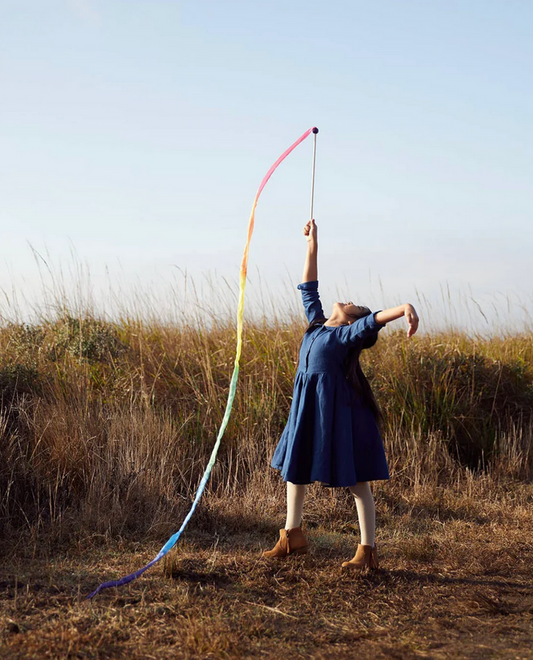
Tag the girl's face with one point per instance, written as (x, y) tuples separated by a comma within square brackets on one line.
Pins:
[(348, 312)]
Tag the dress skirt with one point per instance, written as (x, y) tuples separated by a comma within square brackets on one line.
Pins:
[(330, 436)]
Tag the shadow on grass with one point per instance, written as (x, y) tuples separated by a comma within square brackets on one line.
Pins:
[(435, 578)]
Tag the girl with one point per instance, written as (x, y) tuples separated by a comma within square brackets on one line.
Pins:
[(332, 433)]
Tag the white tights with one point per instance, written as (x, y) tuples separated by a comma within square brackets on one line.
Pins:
[(364, 501), (295, 505), (366, 512)]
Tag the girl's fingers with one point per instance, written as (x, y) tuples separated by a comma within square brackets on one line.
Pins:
[(413, 326)]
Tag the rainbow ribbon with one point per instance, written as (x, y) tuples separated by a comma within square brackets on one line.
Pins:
[(232, 388)]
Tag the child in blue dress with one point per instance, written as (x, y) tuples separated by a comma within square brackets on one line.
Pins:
[(332, 432)]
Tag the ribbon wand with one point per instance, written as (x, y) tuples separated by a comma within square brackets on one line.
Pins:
[(233, 383)]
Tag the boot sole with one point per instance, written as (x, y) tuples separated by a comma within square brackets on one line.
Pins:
[(299, 551)]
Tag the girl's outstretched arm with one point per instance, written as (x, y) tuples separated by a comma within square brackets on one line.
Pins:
[(394, 313), (311, 267)]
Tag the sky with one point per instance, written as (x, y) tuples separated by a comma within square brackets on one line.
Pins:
[(134, 135)]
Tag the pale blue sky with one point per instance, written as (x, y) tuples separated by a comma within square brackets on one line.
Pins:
[(136, 133)]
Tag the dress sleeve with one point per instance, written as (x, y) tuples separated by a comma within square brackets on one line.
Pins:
[(358, 330), (311, 300)]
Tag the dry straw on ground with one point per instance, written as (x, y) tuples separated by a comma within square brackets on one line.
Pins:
[(106, 428)]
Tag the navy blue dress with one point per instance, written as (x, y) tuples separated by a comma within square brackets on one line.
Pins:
[(330, 436)]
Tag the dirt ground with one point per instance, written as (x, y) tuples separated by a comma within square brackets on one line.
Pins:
[(455, 583)]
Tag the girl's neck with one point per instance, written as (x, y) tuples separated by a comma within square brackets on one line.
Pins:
[(333, 322)]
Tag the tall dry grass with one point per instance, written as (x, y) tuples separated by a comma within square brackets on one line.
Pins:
[(106, 426)]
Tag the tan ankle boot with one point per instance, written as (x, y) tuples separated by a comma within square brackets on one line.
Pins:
[(291, 542), (366, 558)]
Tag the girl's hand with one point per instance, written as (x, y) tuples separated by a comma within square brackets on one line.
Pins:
[(311, 232), (412, 319), (310, 266), (407, 310)]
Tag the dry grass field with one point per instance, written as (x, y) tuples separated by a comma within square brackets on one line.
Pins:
[(106, 429)]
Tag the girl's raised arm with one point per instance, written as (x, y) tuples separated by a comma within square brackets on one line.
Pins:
[(310, 273), (394, 313)]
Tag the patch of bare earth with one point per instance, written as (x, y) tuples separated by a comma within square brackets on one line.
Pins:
[(456, 582)]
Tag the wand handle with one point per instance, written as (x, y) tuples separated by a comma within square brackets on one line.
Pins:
[(315, 131)]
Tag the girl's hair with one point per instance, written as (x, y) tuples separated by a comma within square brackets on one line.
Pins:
[(353, 371), (359, 382)]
